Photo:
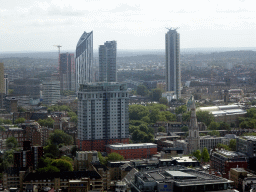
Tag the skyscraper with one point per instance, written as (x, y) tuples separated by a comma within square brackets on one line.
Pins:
[(2, 86), (103, 116), (67, 72), (172, 54), (84, 59), (107, 62)]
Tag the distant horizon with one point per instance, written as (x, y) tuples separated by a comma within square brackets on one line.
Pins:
[(143, 50)]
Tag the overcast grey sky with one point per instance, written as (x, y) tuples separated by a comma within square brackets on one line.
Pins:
[(29, 25)]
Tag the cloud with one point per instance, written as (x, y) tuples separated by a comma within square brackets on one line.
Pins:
[(125, 8), (66, 11)]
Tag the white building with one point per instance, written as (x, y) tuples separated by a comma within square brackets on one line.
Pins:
[(211, 142), (172, 54), (51, 92), (103, 116)]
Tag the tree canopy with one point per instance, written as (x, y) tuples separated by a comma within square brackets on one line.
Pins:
[(155, 94), (46, 122), (11, 143), (181, 109), (19, 120), (205, 155), (197, 154), (142, 90), (60, 137), (204, 116)]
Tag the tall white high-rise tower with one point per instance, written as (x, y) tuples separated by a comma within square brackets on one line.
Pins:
[(172, 54)]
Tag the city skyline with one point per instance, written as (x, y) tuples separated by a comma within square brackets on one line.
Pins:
[(32, 25)]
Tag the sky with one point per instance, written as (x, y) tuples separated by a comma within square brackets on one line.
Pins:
[(30, 25)]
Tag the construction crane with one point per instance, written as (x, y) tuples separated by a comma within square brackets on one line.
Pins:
[(59, 46)]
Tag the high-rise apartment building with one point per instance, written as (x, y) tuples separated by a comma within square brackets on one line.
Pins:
[(2, 87), (103, 116), (107, 62), (172, 54), (84, 59), (51, 92), (6, 83), (67, 72)]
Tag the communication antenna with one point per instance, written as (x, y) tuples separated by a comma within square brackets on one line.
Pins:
[(58, 46)]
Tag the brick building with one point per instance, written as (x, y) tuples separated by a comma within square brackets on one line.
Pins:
[(29, 156), (222, 161), (133, 151)]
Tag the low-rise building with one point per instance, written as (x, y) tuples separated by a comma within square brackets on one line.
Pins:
[(210, 142), (237, 175), (178, 179), (222, 161), (84, 159), (133, 151)]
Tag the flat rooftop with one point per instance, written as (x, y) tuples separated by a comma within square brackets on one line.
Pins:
[(133, 146), (180, 175)]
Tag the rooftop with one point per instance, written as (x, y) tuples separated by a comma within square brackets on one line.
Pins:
[(133, 145)]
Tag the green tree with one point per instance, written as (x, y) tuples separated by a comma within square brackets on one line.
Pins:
[(2, 129), (224, 126), (146, 119), (163, 100), (71, 114), (155, 94), (213, 126), (181, 109), (21, 109), (232, 144), (52, 149), (62, 165), (223, 146), (169, 116), (186, 116), (19, 120), (214, 133), (60, 137), (161, 129), (7, 121), (144, 128), (204, 116), (64, 157), (103, 160), (11, 143), (115, 157), (149, 138), (138, 136), (48, 169), (154, 115), (205, 155), (251, 113), (142, 90), (137, 112), (74, 119), (184, 129), (197, 154), (46, 122)]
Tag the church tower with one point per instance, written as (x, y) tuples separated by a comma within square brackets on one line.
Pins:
[(193, 137)]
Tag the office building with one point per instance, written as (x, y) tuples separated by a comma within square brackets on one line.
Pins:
[(210, 142), (2, 87), (172, 54), (247, 145), (84, 59), (51, 92), (102, 115), (222, 161), (107, 62), (176, 178), (67, 72)]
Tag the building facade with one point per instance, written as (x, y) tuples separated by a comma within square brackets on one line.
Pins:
[(134, 151), (2, 87), (67, 72), (107, 62), (102, 115), (84, 59), (222, 161), (172, 54), (51, 92)]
